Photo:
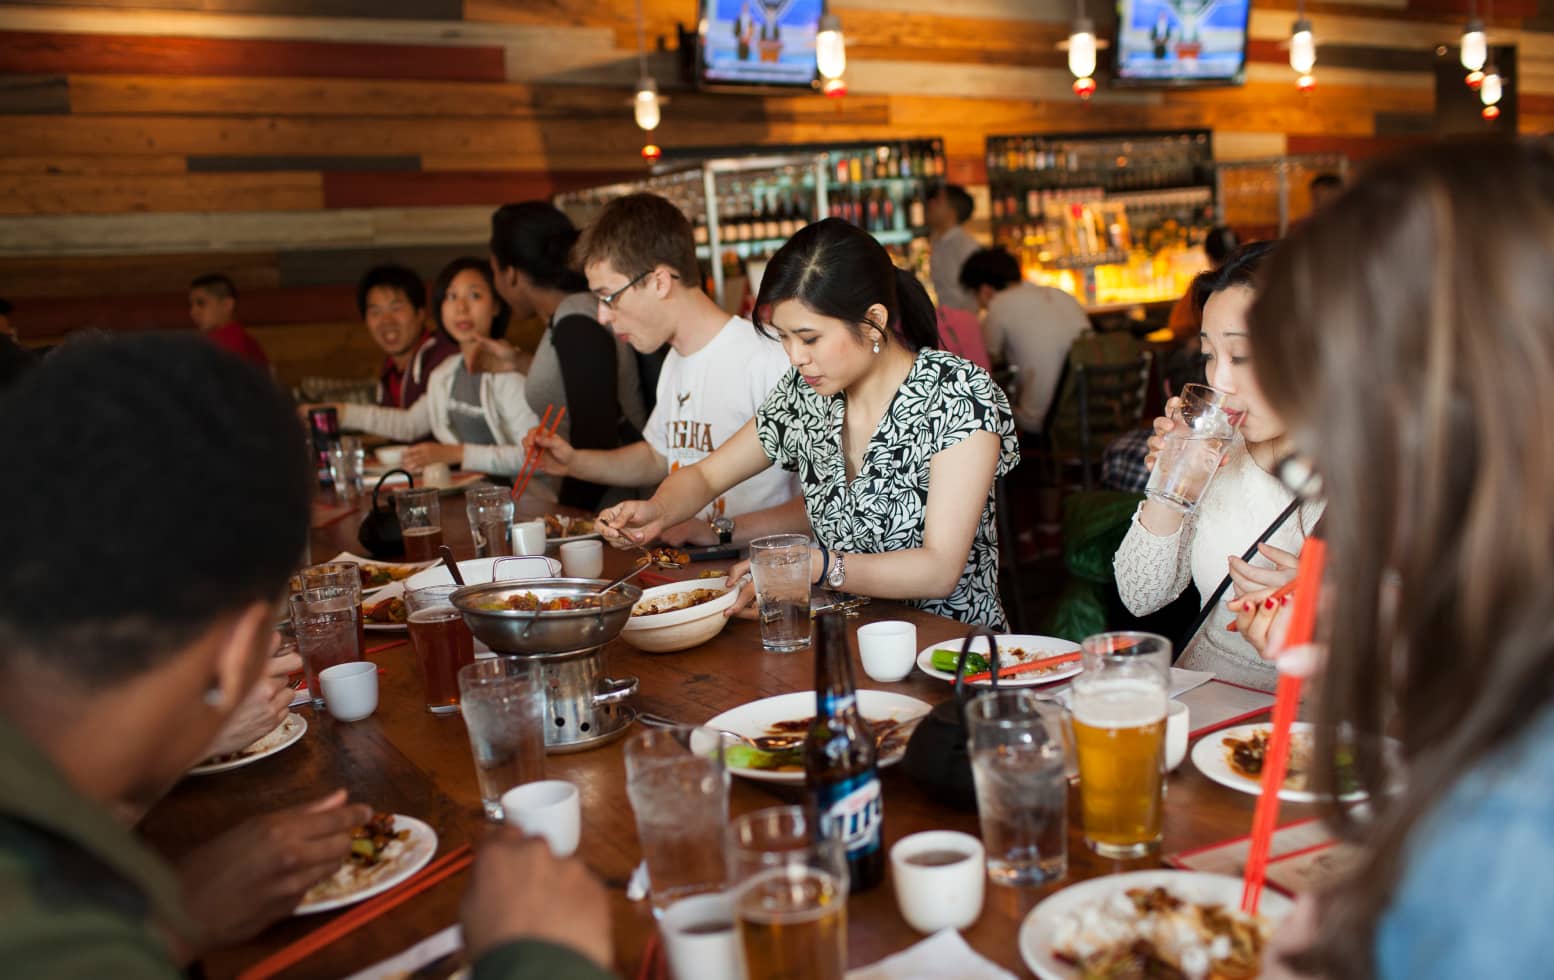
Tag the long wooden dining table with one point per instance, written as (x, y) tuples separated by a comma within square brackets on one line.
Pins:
[(406, 760)]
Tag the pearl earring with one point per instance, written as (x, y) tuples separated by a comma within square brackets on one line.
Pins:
[(876, 345), (213, 696)]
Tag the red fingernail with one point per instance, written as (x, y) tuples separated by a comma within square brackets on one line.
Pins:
[(1231, 627), (1284, 600), (1269, 603)]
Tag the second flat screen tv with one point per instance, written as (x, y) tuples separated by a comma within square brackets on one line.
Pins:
[(759, 42), (1181, 42)]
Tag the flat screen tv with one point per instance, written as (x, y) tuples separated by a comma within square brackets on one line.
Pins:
[(758, 42), (1181, 42)]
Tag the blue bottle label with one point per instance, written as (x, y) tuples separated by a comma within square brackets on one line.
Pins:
[(853, 811)]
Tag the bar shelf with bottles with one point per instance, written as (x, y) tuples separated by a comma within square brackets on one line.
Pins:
[(1113, 219)]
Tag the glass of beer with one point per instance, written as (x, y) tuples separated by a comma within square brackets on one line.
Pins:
[(327, 623), (420, 521), (490, 513), (1119, 706), (442, 643), (792, 923), (503, 702)]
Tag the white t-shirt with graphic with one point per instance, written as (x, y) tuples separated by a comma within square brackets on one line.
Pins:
[(705, 398)]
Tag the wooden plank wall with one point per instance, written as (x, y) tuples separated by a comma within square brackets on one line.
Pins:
[(292, 143)]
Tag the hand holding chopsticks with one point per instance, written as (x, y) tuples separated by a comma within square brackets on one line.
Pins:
[(531, 460)]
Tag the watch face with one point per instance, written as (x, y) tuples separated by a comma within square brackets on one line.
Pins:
[(837, 574)]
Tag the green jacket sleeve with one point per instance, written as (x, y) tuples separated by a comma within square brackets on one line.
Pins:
[(530, 959)]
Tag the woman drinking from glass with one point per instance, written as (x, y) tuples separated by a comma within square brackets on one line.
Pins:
[(895, 442)]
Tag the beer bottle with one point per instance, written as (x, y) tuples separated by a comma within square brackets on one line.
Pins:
[(839, 759)]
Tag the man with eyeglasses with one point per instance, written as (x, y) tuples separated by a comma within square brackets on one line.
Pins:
[(640, 259)]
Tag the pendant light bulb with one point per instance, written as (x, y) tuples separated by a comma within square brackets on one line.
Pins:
[(1081, 48), (645, 106), (1475, 46), (830, 48), (1303, 47), (1490, 90)]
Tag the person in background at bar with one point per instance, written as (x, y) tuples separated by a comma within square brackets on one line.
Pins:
[(896, 443), (1325, 189), (640, 259), (1187, 316), (531, 243), (950, 245), (1417, 377), (14, 358), (392, 302), (213, 308), (477, 418), (1030, 327), (1165, 550)]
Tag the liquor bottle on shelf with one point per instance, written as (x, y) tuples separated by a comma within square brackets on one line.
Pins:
[(855, 167), (840, 769), (917, 216)]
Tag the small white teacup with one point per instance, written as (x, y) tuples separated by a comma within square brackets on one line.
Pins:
[(939, 878), (548, 808)]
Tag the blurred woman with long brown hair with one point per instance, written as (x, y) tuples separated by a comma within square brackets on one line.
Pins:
[(1413, 323)]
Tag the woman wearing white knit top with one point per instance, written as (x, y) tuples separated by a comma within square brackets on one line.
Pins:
[(1164, 550)]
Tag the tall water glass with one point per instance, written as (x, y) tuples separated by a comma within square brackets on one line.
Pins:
[(327, 623), (420, 521), (503, 702), (678, 787), (1206, 423), (1018, 760), (347, 575), (1119, 729), (346, 463), (779, 567), (490, 512), (443, 644)]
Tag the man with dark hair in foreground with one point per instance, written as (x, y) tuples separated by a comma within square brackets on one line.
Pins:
[(183, 475)]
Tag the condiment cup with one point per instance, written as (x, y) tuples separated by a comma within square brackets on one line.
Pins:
[(549, 808), (942, 895), (888, 649), (529, 538), (1176, 734), (350, 690), (582, 559)]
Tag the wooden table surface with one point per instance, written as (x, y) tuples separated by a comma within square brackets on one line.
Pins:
[(407, 760)]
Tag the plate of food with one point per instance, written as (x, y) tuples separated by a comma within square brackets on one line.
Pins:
[(291, 728), (785, 719), (385, 609), (1013, 649), (1149, 924), (1233, 757), (377, 574), (384, 852), (559, 528)]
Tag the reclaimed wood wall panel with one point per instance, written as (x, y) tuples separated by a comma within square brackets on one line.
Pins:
[(293, 143)]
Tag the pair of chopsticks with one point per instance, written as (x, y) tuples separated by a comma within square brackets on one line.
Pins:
[(531, 462), (1303, 615), (1026, 668), (444, 867)]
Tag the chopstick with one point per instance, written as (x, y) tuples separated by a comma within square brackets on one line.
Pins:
[(444, 867), (1308, 582), (1026, 668), (531, 462)]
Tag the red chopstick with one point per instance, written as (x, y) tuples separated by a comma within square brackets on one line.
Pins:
[(532, 461), (444, 867), (1308, 582), (1026, 668)]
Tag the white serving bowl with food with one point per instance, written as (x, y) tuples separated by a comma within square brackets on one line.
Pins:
[(692, 614)]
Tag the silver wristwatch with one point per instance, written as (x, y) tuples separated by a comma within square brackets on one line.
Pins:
[(838, 573)]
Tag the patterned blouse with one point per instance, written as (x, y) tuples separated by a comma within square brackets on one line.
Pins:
[(943, 400)]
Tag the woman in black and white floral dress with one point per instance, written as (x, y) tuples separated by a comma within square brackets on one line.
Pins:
[(896, 443)]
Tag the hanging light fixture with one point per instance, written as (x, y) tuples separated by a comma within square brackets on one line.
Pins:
[(1081, 48), (1474, 80), (645, 105), (831, 49), (1303, 47), (1492, 88), (1084, 87), (1475, 46)]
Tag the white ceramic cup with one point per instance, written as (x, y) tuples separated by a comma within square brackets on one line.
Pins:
[(529, 538), (700, 940), (548, 808), (1176, 734), (350, 690), (888, 649), (943, 894), (582, 559)]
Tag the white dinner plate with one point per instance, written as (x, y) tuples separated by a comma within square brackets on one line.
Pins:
[(419, 848), (457, 483), (379, 595), (1037, 646), (292, 728), (1208, 754), (755, 718), (1038, 930), (410, 566)]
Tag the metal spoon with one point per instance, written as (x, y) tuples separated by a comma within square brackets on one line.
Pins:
[(453, 567)]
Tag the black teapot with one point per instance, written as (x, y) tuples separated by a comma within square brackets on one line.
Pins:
[(936, 757), (380, 533)]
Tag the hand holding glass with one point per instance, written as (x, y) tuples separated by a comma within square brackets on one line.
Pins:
[(1205, 424)]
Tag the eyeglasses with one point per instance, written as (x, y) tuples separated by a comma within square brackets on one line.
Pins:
[(608, 300), (1299, 476)]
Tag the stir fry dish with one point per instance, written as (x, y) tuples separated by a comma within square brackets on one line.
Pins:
[(561, 526), (1150, 932), (671, 603), (1245, 757), (664, 558), (376, 847), (529, 602), (945, 659), (388, 612), (375, 575), (781, 748)]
